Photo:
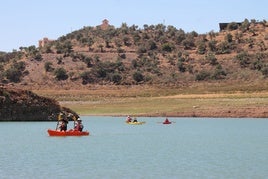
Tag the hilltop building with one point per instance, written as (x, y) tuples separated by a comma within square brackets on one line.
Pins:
[(105, 24), (44, 41), (223, 26)]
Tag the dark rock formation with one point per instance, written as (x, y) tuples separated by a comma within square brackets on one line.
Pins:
[(23, 105)]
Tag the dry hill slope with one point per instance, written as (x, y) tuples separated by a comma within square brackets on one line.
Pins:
[(156, 54)]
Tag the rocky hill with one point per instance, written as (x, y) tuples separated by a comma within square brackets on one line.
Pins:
[(23, 105), (129, 55)]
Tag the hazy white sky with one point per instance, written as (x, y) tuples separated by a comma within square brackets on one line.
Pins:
[(23, 23)]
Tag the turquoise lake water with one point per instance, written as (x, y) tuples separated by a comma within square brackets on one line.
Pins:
[(188, 148)]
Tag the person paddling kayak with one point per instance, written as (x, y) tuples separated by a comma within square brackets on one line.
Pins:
[(135, 120), (62, 122), (129, 119), (166, 121), (78, 125)]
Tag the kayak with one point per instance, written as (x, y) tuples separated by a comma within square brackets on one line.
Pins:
[(166, 122), (135, 123), (70, 132)]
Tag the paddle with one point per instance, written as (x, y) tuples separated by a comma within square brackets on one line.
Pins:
[(57, 125)]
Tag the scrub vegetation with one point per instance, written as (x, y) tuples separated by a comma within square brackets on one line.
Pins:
[(149, 70)]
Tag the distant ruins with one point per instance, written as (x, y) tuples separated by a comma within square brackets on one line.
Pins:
[(105, 24), (44, 41), (223, 26)]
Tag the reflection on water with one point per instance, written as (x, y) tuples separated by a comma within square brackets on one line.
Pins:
[(188, 148)]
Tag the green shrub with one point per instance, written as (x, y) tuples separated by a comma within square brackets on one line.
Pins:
[(223, 48), (188, 43), (211, 58), (212, 45), (86, 77), (219, 73), (138, 76), (202, 75), (201, 47), (116, 78), (60, 74), (88, 61), (181, 66), (243, 59), (167, 47), (229, 38), (264, 71), (48, 67), (13, 74)]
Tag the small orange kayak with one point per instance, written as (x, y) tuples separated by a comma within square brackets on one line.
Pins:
[(70, 132)]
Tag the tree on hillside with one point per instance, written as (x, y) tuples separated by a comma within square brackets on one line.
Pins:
[(223, 48), (201, 47), (6, 57), (245, 25), (180, 36), (181, 66), (136, 37), (124, 28), (138, 76), (243, 59), (229, 38), (202, 75), (151, 45), (64, 48), (87, 77), (60, 74), (212, 35), (32, 52), (115, 78), (264, 71), (15, 72), (171, 31), (188, 42), (48, 67), (88, 61), (167, 47), (211, 58), (219, 73), (212, 45), (47, 48)]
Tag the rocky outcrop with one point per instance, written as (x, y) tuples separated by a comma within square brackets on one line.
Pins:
[(24, 105)]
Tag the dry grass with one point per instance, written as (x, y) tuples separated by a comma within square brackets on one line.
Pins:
[(155, 101), (162, 106)]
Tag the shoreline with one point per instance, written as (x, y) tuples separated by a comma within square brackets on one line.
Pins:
[(159, 116), (239, 114)]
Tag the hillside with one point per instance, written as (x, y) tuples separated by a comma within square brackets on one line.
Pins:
[(152, 55)]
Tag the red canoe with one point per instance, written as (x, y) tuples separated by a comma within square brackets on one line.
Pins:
[(70, 132)]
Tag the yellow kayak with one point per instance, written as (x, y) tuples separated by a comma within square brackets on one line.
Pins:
[(136, 123)]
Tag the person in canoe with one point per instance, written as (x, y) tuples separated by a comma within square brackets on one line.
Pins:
[(167, 121), (135, 120), (129, 119), (78, 126), (63, 125), (63, 122)]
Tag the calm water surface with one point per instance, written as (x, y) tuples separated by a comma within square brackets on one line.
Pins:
[(189, 148)]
